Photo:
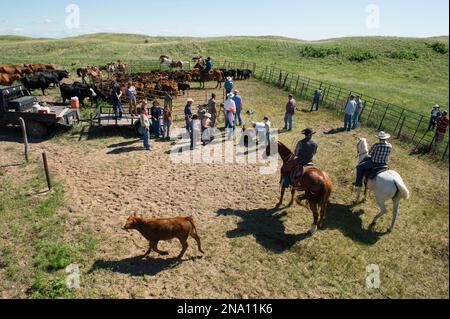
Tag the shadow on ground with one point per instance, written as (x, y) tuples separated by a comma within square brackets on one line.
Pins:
[(137, 266), (350, 224), (266, 226)]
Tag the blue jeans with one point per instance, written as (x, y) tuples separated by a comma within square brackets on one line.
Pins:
[(348, 122), (228, 124), (147, 139), (316, 103), (156, 128), (118, 109), (355, 120), (288, 121), (238, 117), (361, 170), (167, 125)]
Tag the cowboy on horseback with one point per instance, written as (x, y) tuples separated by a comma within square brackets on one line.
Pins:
[(305, 151), (378, 158)]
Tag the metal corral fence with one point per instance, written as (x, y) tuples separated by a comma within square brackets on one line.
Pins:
[(404, 124)]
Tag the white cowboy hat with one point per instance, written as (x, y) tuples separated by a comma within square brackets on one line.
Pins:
[(437, 106), (230, 96), (229, 78), (383, 136), (190, 100)]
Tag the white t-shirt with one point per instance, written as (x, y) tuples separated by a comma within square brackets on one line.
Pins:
[(229, 104)]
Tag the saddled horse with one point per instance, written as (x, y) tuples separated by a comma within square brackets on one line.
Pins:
[(387, 185), (315, 183), (164, 59), (213, 75)]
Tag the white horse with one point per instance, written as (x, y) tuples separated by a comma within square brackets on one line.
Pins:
[(386, 186), (170, 63)]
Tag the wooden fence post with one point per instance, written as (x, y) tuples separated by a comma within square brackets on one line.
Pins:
[(25, 137), (47, 173)]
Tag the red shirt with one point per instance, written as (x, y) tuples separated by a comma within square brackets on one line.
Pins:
[(443, 125)]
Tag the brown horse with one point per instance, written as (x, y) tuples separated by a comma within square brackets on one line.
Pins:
[(315, 184), (213, 75)]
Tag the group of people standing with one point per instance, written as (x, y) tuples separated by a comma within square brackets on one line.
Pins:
[(157, 119), (352, 113)]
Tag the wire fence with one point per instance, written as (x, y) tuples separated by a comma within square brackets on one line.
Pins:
[(403, 124)]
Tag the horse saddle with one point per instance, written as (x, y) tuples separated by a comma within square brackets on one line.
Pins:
[(297, 173), (374, 172)]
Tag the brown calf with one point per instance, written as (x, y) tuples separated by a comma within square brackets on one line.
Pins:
[(8, 79), (157, 229)]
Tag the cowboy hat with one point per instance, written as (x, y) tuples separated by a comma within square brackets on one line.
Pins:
[(230, 95), (308, 131), (383, 136), (190, 100), (236, 91), (229, 78)]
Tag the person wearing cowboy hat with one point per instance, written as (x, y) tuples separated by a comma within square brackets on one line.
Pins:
[(230, 110), (228, 85), (206, 123), (435, 116), (306, 149), (188, 113), (378, 157), (208, 65)]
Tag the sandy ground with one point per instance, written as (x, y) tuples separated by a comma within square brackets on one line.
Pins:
[(106, 180)]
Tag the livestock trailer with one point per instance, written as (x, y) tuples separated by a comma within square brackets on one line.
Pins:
[(15, 103)]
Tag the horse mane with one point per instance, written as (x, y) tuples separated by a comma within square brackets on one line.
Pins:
[(283, 146)]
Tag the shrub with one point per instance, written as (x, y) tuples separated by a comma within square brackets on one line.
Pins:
[(404, 55), (52, 256), (439, 47), (361, 56), (49, 288), (312, 52)]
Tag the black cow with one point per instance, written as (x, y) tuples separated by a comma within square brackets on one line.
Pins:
[(247, 74), (50, 77), (60, 74), (38, 82), (82, 91), (183, 87)]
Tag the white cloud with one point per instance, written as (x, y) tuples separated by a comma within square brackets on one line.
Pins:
[(48, 21), (18, 30)]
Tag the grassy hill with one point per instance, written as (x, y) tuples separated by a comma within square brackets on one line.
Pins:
[(406, 71)]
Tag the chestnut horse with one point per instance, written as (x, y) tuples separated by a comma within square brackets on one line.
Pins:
[(213, 75), (315, 183)]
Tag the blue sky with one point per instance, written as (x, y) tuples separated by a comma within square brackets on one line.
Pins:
[(303, 19)]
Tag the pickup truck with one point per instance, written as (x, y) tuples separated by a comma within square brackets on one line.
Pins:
[(15, 103)]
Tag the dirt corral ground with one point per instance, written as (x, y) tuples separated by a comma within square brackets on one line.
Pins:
[(252, 250)]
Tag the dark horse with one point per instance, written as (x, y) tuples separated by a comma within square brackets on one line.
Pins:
[(213, 75), (315, 184)]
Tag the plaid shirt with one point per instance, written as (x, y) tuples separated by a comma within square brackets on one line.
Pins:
[(380, 153)]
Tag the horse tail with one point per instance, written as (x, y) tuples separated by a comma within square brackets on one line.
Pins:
[(403, 192)]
